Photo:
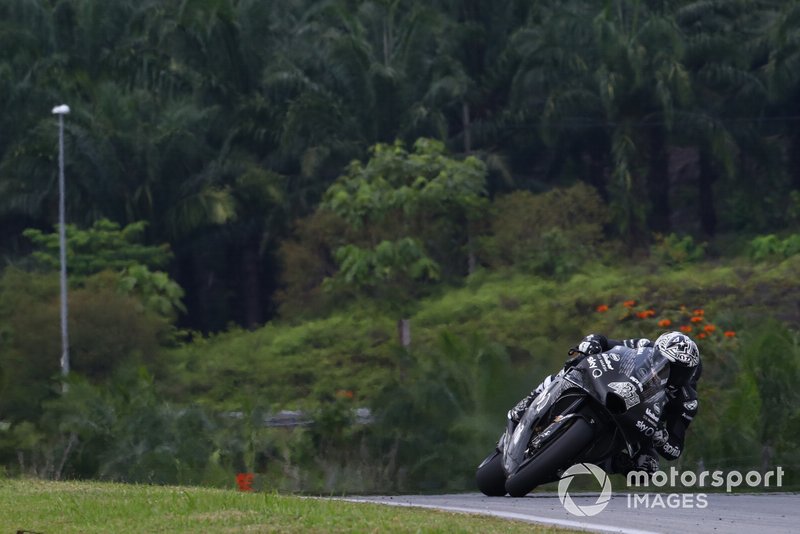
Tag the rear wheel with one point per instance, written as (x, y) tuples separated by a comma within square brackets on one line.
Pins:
[(490, 476), (557, 455)]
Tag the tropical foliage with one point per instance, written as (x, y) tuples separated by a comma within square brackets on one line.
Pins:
[(257, 191), (220, 123)]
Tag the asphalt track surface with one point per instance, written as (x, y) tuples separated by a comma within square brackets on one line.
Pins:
[(723, 513)]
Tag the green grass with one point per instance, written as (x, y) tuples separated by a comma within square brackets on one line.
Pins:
[(38, 506)]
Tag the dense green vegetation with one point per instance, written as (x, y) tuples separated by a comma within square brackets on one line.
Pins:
[(262, 194), (221, 123), (35, 506)]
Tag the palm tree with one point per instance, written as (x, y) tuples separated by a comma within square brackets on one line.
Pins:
[(617, 76), (782, 77)]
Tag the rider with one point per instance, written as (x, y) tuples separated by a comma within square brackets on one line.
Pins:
[(685, 370)]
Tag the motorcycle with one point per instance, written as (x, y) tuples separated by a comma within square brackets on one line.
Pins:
[(603, 408)]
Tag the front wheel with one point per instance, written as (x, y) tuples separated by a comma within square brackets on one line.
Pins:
[(490, 476), (559, 454)]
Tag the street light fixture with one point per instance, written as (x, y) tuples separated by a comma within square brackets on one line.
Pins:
[(62, 240)]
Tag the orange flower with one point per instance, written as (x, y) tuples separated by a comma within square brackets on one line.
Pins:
[(663, 323), (602, 308), (701, 335), (651, 312), (641, 315), (709, 328), (730, 333), (685, 329), (245, 481), (696, 319), (699, 312), (629, 303)]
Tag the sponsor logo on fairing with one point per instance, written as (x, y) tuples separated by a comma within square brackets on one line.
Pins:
[(645, 429), (650, 416), (627, 391), (596, 373)]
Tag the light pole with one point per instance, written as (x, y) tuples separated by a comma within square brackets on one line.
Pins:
[(62, 240)]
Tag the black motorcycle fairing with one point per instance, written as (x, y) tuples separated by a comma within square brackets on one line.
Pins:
[(536, 418), (630, 384), (627, 384)]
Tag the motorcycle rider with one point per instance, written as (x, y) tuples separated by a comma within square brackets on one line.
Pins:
[(685, 370)]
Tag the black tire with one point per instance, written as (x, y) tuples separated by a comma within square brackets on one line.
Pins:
[(490, 476), (558, 455)]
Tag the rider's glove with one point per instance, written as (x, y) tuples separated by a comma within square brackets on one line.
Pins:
[(591, 344), (672, 392)]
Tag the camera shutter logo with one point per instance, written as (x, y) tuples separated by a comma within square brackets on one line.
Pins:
[(590, 509)]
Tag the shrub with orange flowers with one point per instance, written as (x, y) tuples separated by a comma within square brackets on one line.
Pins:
[(683, 319)]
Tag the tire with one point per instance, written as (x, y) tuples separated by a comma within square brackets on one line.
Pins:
[(558, 455), (490, 476)]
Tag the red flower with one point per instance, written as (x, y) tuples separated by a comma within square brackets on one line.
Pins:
[(730, 333), (245, 481), (685, 329), (696, 319), (701, 335), (663, 323), (629, 303), (699, 312), (602, 308), (710, 328)]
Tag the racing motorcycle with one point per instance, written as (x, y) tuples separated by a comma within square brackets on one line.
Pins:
[(602, 409)]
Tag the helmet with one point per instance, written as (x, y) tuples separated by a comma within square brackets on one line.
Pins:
[(678, 348)]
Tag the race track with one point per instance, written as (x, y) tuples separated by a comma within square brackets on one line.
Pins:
[(724, 513)]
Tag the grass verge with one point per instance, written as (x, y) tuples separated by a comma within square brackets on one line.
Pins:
[(43, 507)]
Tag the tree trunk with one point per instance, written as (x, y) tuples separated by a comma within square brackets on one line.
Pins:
[(404, 332), (466, 123), (705, 182), (251, 286), (472, 260), (658, 182), (596, 165), (794, 157)]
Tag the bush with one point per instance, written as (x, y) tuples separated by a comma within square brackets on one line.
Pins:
[(550, 233), (771, 246), (307, 260), (674, 250), (107, 330)]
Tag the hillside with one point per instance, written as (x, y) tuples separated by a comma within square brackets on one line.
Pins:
[(533, 318)]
